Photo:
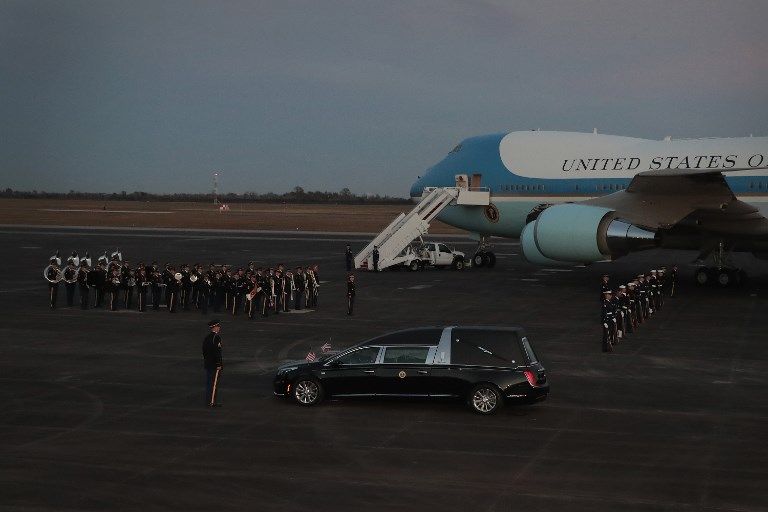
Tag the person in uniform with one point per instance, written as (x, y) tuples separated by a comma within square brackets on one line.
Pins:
[(289, 289), (185, 287), (113, 288), (300, 282), (52, 275), (128, 285), (82, 283), (96, 279), (252, 296), (604, 285), (673, 281), (171, 288), (607, 321), (70, 280), (315, 284), (204, 287), (212, 362), (156, 278), (376, 258), (142, 284), (350, 293), (349, 258)]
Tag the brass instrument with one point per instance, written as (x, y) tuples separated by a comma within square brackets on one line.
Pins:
[(73, 275), (193, 278), (59, 274)]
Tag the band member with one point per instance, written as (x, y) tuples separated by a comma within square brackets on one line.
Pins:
[(254, 295), (57, 258), (156, 278), (219, 292), (349, 258), (673, 281), (52, 275), (239, 289), (316, 288), (226, 277), (300, 282), (142, 283), (212, 362), (70, 281), (350, 293), (279, 295), (195, 277), (185, 287), (96, 279), (74, 258), (289, 289), (82, 282), (129, 286), (204, 287), (113, 288), (172, 283)]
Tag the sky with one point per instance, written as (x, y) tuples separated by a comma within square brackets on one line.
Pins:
[(155, 96)]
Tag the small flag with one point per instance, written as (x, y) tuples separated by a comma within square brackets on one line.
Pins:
[(326, 347), (311, 357)]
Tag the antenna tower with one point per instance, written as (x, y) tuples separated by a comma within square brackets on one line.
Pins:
[(215, 188)]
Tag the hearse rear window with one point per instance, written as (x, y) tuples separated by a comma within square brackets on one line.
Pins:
[(486, 348)]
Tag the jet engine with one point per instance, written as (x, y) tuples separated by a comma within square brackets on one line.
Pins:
[(578, 233)]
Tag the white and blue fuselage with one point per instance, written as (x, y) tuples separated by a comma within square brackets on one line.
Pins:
[(526, 169)]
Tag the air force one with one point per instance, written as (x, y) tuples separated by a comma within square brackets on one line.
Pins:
[(578, 198)]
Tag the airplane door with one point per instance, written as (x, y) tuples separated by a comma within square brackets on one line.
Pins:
[(475, 183)]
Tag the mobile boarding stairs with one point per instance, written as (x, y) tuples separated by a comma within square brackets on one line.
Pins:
[(407, 227)]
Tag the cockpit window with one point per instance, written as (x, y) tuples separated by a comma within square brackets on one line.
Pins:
[(456, 149)]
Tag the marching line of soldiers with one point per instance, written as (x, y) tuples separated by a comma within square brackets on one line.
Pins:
[(623, 312), (114, 283)]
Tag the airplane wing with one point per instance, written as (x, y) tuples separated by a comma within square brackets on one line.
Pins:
[(696, 198)]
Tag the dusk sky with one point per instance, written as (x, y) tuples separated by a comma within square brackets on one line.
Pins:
[(104, 96)]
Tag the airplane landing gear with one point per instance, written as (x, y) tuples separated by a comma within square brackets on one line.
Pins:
[(722, 273), (483, 257)]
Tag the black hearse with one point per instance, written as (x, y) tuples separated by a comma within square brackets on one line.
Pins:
[(484, 365)]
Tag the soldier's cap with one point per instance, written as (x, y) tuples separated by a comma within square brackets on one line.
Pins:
[(607, 292), (622, 286), (214, 323), (53, 260), (654, 271)]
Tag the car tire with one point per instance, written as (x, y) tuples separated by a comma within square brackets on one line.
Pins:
[(725, 278), (485, 399), (307, 391), (414, 266), (458, 264), (478, 260), (491, 259)]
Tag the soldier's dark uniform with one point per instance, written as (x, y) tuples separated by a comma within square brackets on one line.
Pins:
[(607, 321), (350, 294), (301, 284), (142, 284), (185, 288), (156, 278), (604, 286), (203, 292), (673, 281), (96, 283), (349, 258), (212, 362), (113, 289), (375, 258)]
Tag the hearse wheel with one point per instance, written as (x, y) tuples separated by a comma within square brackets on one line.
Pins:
[(307, 391), (485, 399)]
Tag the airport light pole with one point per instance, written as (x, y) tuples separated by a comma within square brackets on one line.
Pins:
[(215, 188)]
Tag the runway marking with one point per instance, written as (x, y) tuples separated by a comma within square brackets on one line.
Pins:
[(96, 211), (529, 279), (30, 247), (557, 270), (297, 311), (12, 290), (417, 287)]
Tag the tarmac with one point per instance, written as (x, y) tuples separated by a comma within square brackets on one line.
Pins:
[(105, 410)]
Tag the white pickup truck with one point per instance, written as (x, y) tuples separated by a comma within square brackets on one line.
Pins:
[(432, 254)]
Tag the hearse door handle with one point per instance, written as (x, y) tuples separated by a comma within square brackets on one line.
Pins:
[(368, 371), (422, 372)]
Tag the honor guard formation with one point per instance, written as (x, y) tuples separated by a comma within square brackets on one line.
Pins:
[(113, 283), (623, 311)]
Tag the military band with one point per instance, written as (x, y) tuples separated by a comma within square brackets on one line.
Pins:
[(114, 283)]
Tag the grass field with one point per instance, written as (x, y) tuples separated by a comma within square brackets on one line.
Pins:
[(256, 216)]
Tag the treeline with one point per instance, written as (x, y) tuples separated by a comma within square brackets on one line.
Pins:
[(297, 195)]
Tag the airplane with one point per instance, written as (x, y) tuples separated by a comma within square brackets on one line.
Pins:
[(579, 198)]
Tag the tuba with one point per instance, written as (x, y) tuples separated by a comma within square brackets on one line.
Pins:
[(58, 276), (73, 273)]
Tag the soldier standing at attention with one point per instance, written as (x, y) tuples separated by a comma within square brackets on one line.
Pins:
[(673, 281), (299, 280), (212, 362), (350, 259), (604, 286), (70, 281), (350, 293), (375, 258), (607, 319)]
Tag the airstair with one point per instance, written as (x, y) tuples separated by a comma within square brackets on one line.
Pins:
[(408, 227)]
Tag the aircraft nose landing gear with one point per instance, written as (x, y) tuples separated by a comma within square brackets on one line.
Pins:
[(483, 257)]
